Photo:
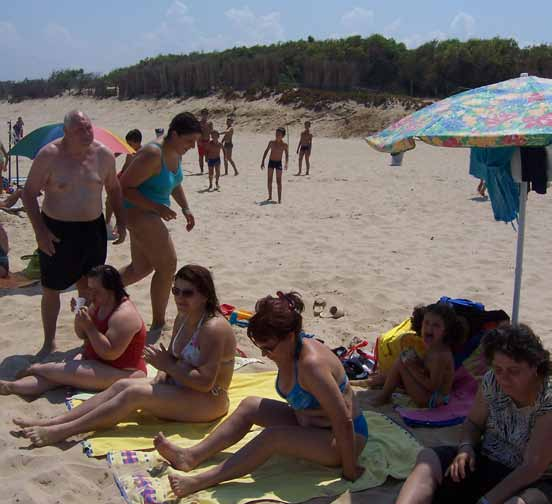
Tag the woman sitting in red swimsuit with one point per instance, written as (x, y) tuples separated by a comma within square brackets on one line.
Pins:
[(114, 337)]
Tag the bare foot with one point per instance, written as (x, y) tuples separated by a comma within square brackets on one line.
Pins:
[(5, 388), (32, 422), (236, 172), (46, 350), (183, 485), (42, 436), (180, 458)]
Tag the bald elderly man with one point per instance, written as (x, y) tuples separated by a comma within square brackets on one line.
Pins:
[(70, 230)]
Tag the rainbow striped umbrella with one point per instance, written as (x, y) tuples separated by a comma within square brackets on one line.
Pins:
[(30, 144)]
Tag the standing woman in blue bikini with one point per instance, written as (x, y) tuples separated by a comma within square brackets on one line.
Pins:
[(155, 175), (318, 420)]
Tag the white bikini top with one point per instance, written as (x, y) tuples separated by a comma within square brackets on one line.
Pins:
[(190, 353)]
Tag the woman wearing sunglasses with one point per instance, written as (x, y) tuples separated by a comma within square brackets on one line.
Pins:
[(193, 376), (318, 419)]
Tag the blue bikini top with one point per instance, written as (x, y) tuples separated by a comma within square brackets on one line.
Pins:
[(298, 398)]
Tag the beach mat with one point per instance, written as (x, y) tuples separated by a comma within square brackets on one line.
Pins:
[(138, 431), (16, 280), (390, 452)]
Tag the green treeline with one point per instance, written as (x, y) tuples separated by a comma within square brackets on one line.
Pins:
[(376, 63)]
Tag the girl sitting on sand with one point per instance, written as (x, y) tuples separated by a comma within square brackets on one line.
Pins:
[(319, 421), (114, 336), (193, 377), (429, 381)]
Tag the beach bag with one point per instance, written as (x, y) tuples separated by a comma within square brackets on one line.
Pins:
[(390, 345), (32, 270)]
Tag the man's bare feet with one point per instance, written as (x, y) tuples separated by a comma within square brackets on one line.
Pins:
[(180, 458), (183, 485), (42, 436), (5, 387)]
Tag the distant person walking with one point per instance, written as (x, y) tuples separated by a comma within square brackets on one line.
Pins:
[(277, 149), (18, 130), (155, 175), (304, 148), (204, 139), (213, 149), (70, 230), (228, 143)]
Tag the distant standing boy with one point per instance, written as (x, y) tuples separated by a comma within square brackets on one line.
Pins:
[(213, 149), (229, 146), (304, 148), (277, 149), (205, 137), (134, 139)]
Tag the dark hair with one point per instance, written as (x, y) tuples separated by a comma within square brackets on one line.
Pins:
[(215, 132), (281, 130), (519, 343), (276, 317), (455, 330), (202, 280), (111, 280), (184, 124), (134, 136)]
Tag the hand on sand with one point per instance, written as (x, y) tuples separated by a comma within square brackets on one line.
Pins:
[(179, 458)]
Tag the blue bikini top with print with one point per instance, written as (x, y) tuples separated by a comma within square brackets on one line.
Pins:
[(298, 398)]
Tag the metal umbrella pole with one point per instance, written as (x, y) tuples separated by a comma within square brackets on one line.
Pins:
[(519, 251)]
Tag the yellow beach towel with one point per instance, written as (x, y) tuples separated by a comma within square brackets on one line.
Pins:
[(138, 431), (390, 452)]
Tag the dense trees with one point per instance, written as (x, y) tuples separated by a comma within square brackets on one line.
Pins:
[(434, 69)]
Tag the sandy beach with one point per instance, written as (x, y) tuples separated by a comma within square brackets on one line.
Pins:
[(371, 238)]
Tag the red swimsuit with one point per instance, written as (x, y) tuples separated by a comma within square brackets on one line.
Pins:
[(131, 358)]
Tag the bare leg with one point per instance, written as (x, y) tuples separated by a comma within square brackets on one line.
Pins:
[(49, 306), (231, 161), (301, 154), (423, 481), (316, 445), (165, 401), (270, 175), (86, 374), (201, 162), (139, 267), (225, 152), (82, 409), (211, 169), (160, 291), (279, 184), (307, 161), (217, 175), (251, 411)]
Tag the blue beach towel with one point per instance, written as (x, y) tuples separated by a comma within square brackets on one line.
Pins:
[(493, 166)]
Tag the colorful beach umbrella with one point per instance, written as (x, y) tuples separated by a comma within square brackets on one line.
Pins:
[(513, 113), (30, 144), (516, 112)]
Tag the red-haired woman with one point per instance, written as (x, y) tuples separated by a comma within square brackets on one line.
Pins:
[(319, 421)]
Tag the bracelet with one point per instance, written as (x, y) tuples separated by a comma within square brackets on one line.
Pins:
[(186, 211)]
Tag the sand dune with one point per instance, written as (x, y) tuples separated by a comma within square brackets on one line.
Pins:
[(371, 238)]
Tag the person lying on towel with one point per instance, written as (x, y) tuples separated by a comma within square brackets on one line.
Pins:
[(193, 377), (427, 381), (114, 336), (504, 454), (318, 420)]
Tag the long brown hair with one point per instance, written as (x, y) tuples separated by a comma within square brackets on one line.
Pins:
[(202, 280)]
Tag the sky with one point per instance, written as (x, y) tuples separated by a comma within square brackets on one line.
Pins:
[(39, 36)]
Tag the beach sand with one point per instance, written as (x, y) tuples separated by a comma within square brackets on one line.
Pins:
[(373, 239)]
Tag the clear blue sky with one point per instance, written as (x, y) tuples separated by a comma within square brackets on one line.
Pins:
[(38, 36)]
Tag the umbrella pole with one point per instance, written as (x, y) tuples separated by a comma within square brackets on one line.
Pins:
[(519, 251)]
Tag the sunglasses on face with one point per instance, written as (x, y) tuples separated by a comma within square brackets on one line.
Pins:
[(187, 293)]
